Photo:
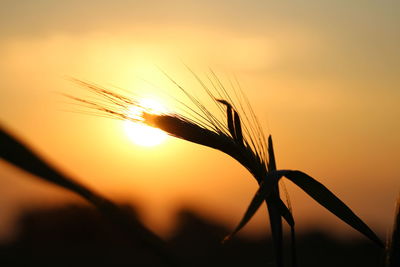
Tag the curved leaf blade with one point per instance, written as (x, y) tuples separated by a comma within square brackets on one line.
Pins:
[(326, 198), (19, 154), (285, 212), (275, 219), (265, 189)]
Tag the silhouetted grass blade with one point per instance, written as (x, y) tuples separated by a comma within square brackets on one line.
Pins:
[(327, 199), (238, 128), (285, 212), (17, 153), (229, 116), (273, 209), (264, 190), (317, 191), (272, 167), (20, 155)]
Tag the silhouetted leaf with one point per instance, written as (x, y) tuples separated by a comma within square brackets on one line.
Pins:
[(317, 191), (327, 199), (17, 153), (274, 211), (238, 128), (229, 116), (285, 213), (20, 155), (264, 190)]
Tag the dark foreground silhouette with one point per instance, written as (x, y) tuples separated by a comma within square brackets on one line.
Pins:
[(80, 236)]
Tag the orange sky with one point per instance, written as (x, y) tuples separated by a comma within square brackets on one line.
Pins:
[(322, 76)]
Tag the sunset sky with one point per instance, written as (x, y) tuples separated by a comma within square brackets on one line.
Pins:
[(323, 77)]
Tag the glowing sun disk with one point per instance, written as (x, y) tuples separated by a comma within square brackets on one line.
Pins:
[(140, 133)]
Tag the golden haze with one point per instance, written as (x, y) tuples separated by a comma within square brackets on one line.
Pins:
[(326, 87)]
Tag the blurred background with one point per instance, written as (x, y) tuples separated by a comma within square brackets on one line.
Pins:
[(322, 76)]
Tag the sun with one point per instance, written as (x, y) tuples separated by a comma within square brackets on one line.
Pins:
[(140, 133)]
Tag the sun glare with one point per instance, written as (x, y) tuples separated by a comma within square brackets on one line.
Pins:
[(140, 133)]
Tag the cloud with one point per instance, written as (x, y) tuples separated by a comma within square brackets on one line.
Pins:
[(311, 38), (38, 18)]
